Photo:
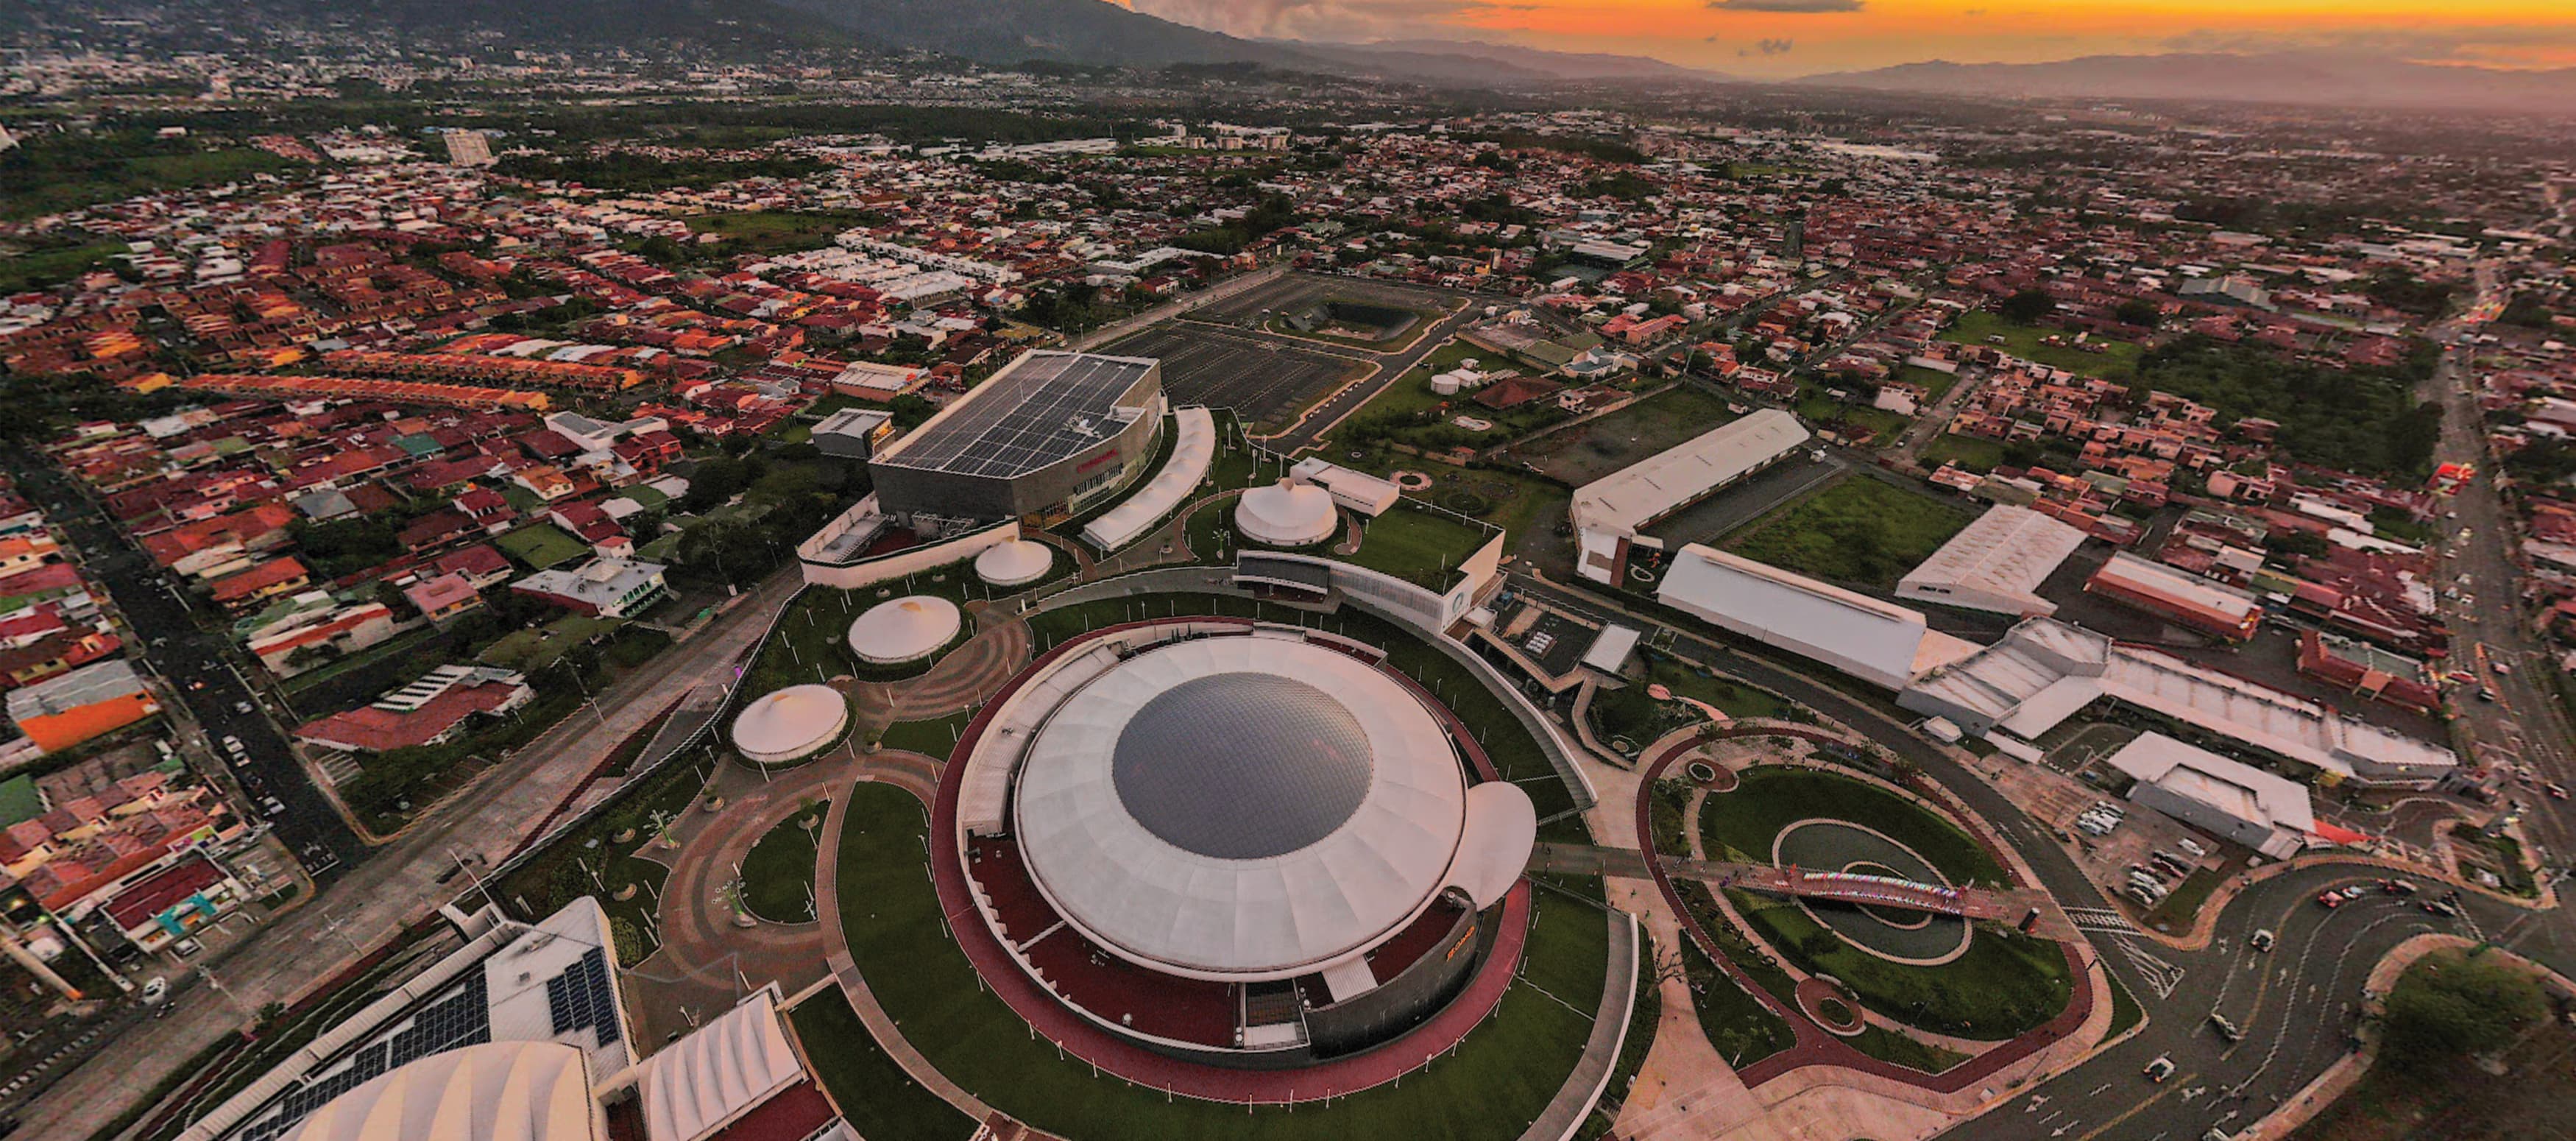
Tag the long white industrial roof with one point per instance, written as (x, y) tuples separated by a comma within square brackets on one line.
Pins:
[(2005, 554), (2238, 789), (1878, 642), (1637, 494), (1244, 807)]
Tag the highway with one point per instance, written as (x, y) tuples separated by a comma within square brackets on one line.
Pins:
[(195, 664), (2297, 1003)]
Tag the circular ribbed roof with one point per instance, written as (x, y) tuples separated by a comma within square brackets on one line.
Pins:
[(904, 629), (1295, 766), (790, 723), (1014, 563), (1245, 807), (1286, 514)]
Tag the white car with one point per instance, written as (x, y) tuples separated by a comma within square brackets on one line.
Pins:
[(155, 989)]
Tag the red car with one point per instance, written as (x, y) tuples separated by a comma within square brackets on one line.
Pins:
[(2331, 898)]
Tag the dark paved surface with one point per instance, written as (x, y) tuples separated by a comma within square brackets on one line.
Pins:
[(1261, 380)]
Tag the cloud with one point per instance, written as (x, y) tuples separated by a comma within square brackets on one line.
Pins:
[(1800, 7), (1767, 47), (1327, 20)]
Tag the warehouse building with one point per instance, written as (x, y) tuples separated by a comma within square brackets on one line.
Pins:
[(2233, 801), (1050, 435), (1608, 513), (2178, 596), (1995, 564), (1878, 642)]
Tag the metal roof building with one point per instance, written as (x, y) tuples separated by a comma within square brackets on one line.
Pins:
[(1995, 564), (1333, 815), (2234, 801), (1878, 642), (1051, 433), (1616, 506)]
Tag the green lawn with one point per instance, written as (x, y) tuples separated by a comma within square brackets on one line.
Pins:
[(1769, 798), (1975, 453), (1935, 383), (1742, 1029), (1496, 1082), (1581, 454), (1411, 393), (1512, 500), (774, 231), (2004, 984), (1889, 1046), (1861, 531), (1633, 713), (778, 874), (47, 266), (877, 1097), (1419, 545), (541, 545), (1857, 422), (929, 738), (534, 649), (2180, 908), (2117, 360)]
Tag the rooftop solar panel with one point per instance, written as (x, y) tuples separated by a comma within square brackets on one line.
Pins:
[(1049, 406)]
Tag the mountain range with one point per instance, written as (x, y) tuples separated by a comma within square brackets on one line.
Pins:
[(1096, 32), (2325, 78)]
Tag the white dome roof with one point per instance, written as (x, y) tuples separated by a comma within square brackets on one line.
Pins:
[(497, 1091), (1240, 807), (1286, 514), (790, 723), (1015, 562), (904, 629)]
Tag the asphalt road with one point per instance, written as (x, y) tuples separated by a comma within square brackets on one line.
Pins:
[(2296, 1003), (2488, 624), (194, 663)]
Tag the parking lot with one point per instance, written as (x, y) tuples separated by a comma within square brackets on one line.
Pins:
[(1296, 292), (1265, 384)]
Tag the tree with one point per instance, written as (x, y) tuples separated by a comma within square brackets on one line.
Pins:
[(2448, 1007), (2140, 312), (2027, 306)]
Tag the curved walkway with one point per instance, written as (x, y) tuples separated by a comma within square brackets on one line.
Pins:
[(1814, 1046), (968, 674), (704, 961), (1080, 1038)]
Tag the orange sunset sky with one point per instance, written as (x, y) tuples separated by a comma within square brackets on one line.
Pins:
[(1773, 38)]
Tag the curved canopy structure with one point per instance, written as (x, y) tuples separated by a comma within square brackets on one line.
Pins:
[(498, 1091), (719, 1072), (1015, 563), (905, 629), (1240, 808), (791, 723), (1193, 449), (1502, 827), (1286, 514)]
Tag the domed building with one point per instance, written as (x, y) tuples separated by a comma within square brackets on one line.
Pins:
[(791, 724), (904, 630), (1262, 849), (1015, 563), (1286, 514)]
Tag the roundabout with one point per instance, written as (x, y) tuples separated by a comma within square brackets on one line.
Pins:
[(1896, 934)]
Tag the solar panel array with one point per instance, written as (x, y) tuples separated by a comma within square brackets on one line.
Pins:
[(463, 1018), (1049, 407), (580, 998)]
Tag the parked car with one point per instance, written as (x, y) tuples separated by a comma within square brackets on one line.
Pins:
[(2262, 941), (2226, 1029), (155, 989), (241, 707), (2330, 899), (2398, 887), (2160, 1069)]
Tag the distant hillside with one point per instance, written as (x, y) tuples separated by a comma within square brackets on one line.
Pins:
[(731, 27), (1074, 31), (2287, 77), (1470, 62)]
